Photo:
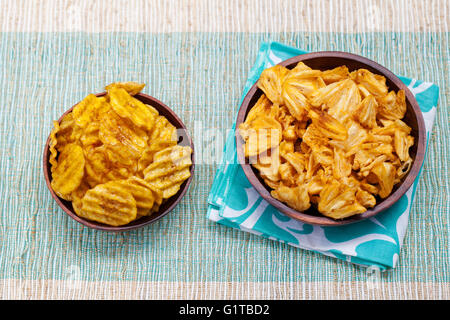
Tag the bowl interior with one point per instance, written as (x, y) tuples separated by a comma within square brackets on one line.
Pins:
[(183, 139), (413, 117)]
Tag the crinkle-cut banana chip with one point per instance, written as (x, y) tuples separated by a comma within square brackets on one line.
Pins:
[(131, 108), (170, 168), (52, 146), (109, 203), (131, 87), (86, 111), (337, 134), (147, 155), (271, 81), (77, 195), (68, 132), (141, 191), (122, 136), (69, 171)]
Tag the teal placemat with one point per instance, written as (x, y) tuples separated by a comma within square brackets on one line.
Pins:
[(201, 76)]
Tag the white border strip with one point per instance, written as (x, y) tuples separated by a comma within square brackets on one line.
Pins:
[(84, 290), (224, 15)]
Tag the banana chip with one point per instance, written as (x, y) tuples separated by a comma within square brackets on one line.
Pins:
[(69, 171), (170, 168), (131, 108), (102, 150), (333, 139), (132, 88), (110, 204)]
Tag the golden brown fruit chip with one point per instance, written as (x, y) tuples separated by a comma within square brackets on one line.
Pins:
[(385, 173), (366, 112), (335, 75), (338, 201), (52, 146), (170, 168), (131, 108), (328, 126), (122, 136), (77, 195), (393, 106), (110, 204), (402, 143), (270, 82), (140, 190), (85, 111), (69, 171), (132, 88), (155, 145), (296, 197), (374, 83), (294, 100)]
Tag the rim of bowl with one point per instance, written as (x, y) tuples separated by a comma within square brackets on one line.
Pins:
[(157, 104), (386, 203)]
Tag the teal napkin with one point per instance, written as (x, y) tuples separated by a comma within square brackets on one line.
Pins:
[(373, 242)]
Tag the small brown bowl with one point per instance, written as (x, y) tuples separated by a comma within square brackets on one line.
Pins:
[(328, 60), (167, 206)]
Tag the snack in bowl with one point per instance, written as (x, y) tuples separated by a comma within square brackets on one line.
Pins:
[(116, 158), (331, 139)]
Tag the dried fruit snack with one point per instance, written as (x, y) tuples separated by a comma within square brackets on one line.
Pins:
[(331, 139)]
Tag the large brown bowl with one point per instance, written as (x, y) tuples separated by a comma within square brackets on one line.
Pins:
[(328, 60), (167, 206)]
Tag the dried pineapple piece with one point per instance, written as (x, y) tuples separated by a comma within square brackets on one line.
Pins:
[(366, 112), (385, 173), (329, 126), (335, 75), (296, 197), (338, 201), (374, 83), (270, 82), (392, 106)]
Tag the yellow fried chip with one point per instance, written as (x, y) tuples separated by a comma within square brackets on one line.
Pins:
[(69, 171), (170, 168), (132, 88), (140, 190), (131, 108), (122, 136), (85, 111), (110, 204), (52, 146), (77, 195)]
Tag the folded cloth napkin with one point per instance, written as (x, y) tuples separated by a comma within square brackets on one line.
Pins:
[(373, 242)]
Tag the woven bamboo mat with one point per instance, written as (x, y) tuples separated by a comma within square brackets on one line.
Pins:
[(195, 56)]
